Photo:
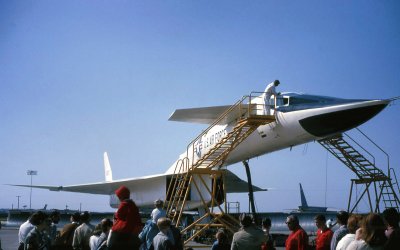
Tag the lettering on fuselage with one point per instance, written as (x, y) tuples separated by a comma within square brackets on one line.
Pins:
[(208, 140)]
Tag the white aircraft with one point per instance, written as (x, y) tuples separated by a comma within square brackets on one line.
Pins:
[(299, 118)]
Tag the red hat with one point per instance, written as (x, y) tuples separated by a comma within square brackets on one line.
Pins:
[(122, 193)]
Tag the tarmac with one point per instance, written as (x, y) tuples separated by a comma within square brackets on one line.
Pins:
[(9, 238)]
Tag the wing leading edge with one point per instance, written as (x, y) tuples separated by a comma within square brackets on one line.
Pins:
[(233, 184), (206, 115)]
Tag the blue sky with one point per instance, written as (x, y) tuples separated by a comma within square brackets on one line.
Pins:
[(78, 78)]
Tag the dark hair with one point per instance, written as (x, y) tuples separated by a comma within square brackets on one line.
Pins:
[(97, 230), (245, 220), (391, 216), (294, 219), (54, 213), (266, 222), (221, 236), (342, 217), (320, 217), (37, 218), (85, 216), (76, 217), (106, 224), (373, 230), (277, 82)]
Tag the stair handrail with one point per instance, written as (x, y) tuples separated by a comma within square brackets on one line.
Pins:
[(365, 150), (191, 144), (395, 177), (238, 104), (383, 151)]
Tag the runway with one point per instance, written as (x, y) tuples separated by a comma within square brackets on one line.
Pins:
[(9, 238)]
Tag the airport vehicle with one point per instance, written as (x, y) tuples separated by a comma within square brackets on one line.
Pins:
[(294, 119)]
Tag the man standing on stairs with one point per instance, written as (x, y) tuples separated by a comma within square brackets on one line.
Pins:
[(269, 91)]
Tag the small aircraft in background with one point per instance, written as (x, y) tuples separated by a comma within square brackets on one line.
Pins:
[(299, 118)]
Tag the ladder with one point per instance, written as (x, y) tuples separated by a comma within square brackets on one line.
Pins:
[(366, 172), (190, 171)]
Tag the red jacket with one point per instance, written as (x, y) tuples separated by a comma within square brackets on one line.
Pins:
[(127, 218), (297, 240), (324, 239)]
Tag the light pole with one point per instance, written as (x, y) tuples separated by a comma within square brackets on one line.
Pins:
[(18, 196), (31, 173)]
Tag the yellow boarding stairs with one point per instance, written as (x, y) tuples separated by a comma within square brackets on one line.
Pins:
[(366, 171), (248, 115)]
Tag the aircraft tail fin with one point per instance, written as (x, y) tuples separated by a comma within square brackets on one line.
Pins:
[(107, 168), (303, 197)]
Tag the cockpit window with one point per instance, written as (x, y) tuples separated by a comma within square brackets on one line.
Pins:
[(282, 101), (295, 100), (285, 100)]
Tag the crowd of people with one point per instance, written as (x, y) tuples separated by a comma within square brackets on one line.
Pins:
[(125, 231), (355, 232)]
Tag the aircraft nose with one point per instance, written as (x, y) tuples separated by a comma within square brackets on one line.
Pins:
[(342, 117)]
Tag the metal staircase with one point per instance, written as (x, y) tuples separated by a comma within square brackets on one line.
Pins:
[(193, 172), (366, 171)]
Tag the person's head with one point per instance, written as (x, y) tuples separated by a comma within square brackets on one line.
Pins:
[(76, 217), (122, 193), (221, 236), (342, 217), (266, 223), (373, 230), (158, 203), (354, 223), (97, 230), (292, 222), (106, 225), (40, 220), (163, 224), (85, 217), (320, 221), (245, 220), (55, 216), (277, 82), (391, 217)]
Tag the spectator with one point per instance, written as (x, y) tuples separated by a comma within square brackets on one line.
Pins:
[(24, 230), (127, 223), (342, 218), (392, 232), (82, 233), (222, 241), (372, 234), (158, 211), (324, 234), (36, 239), (64, 241), (106, 225), (95, 236), (150, 230), (353, 223), (266, 226), (53, 233), (161, 241), (298, 238), (249, 236)]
